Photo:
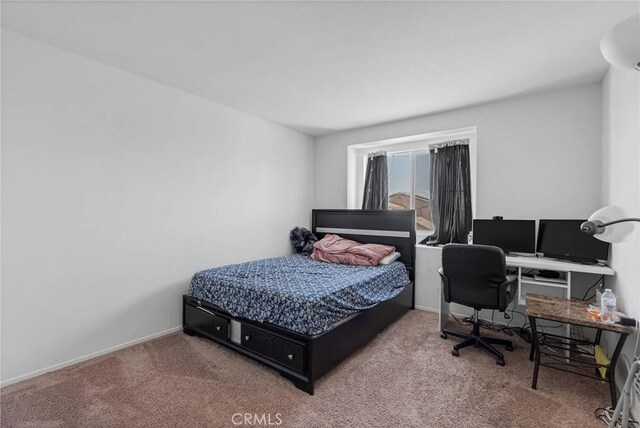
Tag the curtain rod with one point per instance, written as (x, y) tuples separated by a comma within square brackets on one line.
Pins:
[(462, 142), (374, 154)]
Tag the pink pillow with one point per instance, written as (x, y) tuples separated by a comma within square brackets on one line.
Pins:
[(335, 249)]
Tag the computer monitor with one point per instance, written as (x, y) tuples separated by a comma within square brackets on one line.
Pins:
[(513, 236), (563, 239)]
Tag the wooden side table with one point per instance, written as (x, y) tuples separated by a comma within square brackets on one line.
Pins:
[(566, 353)]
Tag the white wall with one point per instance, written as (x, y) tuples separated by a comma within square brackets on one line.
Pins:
[(115, 190), (621, 180), (621, 174), (538, 155)]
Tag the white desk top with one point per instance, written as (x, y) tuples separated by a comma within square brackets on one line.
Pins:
[(557, 265), (532, 262)]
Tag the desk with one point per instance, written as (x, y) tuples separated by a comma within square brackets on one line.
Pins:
[(529, 262), (563, 353), (525, 262)]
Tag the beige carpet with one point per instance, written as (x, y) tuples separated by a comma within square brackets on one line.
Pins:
[(406, 377)]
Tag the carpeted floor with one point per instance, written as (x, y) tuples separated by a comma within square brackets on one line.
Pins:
[(406, 377)]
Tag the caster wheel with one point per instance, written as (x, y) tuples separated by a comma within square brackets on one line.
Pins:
[(443, 335), (509, 348), (455, 353), (500, 362)]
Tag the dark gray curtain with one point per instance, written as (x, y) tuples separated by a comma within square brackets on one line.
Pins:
[(376, 183), (450, 193)]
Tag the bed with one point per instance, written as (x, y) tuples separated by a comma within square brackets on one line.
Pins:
[(302, 317), (296, 292)]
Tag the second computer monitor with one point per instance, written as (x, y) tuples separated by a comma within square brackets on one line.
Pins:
[(563, 239), (513, 236)]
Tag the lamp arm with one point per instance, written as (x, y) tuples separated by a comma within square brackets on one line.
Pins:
[(596, 227), (622, 220)]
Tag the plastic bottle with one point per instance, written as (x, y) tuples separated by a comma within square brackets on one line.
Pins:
[(599, 291), (608, 307)]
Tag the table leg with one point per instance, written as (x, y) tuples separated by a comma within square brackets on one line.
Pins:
[(532, 350), (536, 345), (612, 369), (444, 310)]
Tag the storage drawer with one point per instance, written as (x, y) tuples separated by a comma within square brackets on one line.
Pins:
[(206, 322), (277, 348)]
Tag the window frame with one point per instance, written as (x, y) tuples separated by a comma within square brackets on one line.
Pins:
[(357, 162)]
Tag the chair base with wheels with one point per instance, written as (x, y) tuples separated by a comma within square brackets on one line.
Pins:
[(475, 339)]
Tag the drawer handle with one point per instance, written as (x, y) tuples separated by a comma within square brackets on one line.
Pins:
[(204, 310), (247, 337), (290, 356)]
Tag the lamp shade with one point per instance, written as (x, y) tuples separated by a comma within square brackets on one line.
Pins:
[(614, 233), (621, 45)]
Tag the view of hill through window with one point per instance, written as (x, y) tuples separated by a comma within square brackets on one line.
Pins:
[(409, 185)]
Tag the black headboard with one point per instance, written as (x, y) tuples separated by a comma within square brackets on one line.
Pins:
[(397, 228)]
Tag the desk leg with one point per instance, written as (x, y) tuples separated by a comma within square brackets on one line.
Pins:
[(536, 345), (567, 352), (532, 350), (444, 310), (598, 336), (612, 369)]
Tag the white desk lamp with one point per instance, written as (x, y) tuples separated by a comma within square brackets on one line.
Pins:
[(609, 224), (621, 45)]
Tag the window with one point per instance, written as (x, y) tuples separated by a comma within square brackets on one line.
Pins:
[(409, 185), (409, 167)]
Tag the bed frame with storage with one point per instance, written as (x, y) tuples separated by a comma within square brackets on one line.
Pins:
[(302, 358)]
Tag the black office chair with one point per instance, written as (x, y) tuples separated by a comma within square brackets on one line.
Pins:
[(476, 276)]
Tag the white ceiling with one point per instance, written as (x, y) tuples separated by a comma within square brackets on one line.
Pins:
[(322, 67)]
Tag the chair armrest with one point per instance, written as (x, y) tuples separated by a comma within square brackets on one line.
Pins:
[(511, 279), (507, 291)]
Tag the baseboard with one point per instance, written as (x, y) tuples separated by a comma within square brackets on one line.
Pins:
[(426, 309), (87, 357)]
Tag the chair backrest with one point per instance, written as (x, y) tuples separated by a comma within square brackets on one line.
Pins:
[(472, 274)]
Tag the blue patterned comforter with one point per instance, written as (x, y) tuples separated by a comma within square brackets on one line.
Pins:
[(296, 292)]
